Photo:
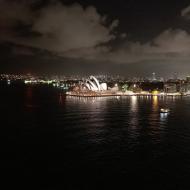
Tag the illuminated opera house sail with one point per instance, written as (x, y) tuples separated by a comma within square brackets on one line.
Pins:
[(94, 85)]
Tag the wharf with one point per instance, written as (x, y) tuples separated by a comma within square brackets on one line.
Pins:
[(98, 94)]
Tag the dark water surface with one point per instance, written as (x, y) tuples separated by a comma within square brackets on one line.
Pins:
[(49, 141)]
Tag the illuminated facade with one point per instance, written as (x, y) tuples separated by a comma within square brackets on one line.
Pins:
[(94, 85)]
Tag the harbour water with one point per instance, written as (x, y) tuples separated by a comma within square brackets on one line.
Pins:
[(50, 141)]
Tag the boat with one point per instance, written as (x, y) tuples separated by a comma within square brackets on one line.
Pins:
[(164, 110)]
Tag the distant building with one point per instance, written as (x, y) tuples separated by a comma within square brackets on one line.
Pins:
[(185, 88), (170, 88), (115, 88), (188, 79), (153, 76), (188, 88), (175, 76), (135, 88)]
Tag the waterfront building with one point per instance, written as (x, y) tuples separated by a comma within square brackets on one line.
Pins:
[(188, 79), (135, 88), (115, 88), (170, 88)]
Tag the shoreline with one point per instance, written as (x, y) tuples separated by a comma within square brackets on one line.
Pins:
[(125, 95)]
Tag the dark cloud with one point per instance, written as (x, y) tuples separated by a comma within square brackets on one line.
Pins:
[(60, 28), (169, 45), (186, 12), (65, 28), (13, 14), (82, 33)]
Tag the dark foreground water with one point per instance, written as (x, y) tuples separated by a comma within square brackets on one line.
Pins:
[(49, 141)]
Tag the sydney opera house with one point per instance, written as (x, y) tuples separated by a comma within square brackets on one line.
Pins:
[(89, 87), (92, 87)]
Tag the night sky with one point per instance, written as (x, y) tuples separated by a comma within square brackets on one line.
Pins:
[(127, 37)]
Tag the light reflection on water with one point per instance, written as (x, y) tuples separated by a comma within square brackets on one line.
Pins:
[(163, 116), (133, 112), (128, 119), (104, 111), (155, 103), (134, 104), (105, 137)]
